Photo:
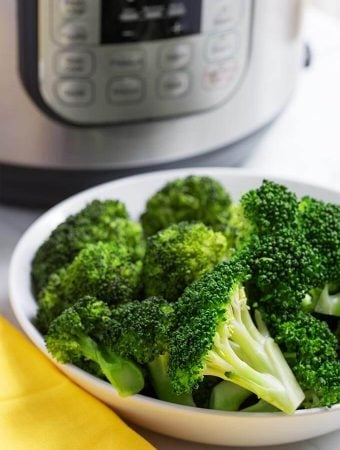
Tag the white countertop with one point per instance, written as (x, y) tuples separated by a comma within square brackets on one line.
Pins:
[(303, 143)]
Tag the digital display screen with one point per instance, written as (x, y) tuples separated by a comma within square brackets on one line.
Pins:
[(146, 20)]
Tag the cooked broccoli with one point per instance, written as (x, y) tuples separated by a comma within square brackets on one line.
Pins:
[(77, 334), (214, 334), (292, 267), (178, 255), (311, 351), (261, 211), (191, 199), (284, 268), (144, 338), (320, 221), (104, 270), (227, 396), (98, 221)]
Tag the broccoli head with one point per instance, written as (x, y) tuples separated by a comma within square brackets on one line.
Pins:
[(75, 336), (178, 255), (143, 338), (311, 351), (271, 207), (144, 328), (191, 199), (320, 222), (98, 221), (104, 270), (214, 334), (284, 268)]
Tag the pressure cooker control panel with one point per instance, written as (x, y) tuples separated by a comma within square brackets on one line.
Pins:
[(113, 61)]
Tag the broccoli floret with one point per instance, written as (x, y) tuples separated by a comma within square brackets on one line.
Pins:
[(284, 268), (261, 211), (178, 255), (158, 369), (311, 351), (214, 334), (143, 337), (320, 222), (191, 199), (76, 334), (104, 270), (99, 221), (227, 396), (144, 328)]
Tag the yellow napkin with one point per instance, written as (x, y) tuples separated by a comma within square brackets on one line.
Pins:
[(41, 409)]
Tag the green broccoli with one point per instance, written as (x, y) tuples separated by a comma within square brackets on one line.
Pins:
[(104, 270), (214, 334), (77, 335), (191, 199), (320, 222), (98, 221), (284, 268), (143, 338), (178, 255), (311, 351), (261, 211), (227, 396)]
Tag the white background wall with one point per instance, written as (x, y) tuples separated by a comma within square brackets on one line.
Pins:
[(331, 6)]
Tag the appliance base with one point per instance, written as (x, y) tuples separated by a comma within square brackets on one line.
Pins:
[(43, 188)]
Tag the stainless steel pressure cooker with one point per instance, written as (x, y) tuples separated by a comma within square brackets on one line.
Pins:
[(119, 85)]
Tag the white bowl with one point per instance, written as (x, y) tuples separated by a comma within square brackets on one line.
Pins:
[(194, 424)]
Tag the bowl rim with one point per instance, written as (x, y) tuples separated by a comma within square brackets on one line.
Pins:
[(34, 335)]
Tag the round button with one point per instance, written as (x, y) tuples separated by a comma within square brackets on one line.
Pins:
[(74, 64), (222, 15), (218, 76), (75, 92), (125, 90), (174, 84), (127, 60), (74, 33), (73, 8), (221, 46), (174, 57)]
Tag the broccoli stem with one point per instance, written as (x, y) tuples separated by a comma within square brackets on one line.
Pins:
[(226, 396), (158, 369), (123, 374), (328, 303), (260, 407), (251, 359)]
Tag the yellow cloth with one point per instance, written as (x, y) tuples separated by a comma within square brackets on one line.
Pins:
[(41, 409)]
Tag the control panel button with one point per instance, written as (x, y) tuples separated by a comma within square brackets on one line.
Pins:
[(74, 33), (174, 84), (127, 60), (74, 64), (75, 92), (73, 8), (217, 76), (221, 46), (174, 57), (221, 15), (125, 90)]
